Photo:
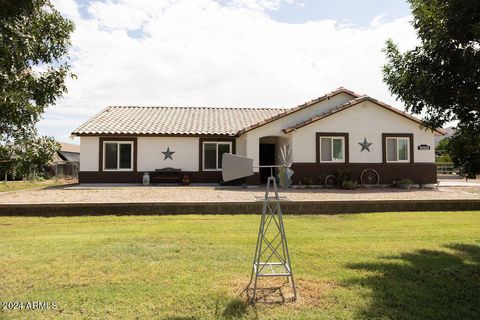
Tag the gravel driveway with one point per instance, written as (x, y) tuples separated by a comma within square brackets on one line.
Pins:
[(126, 194)]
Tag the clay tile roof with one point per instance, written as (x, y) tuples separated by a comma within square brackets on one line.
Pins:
[(352, 103), (124, 120)]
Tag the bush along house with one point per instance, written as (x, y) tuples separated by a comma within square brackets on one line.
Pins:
[(338, 131)]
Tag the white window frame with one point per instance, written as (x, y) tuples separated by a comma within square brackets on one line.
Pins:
[(320, 148), (398, 149), (216, 153), (118, 155)]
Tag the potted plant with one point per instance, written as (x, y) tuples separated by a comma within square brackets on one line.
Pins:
[(146, 179), (186, 179), (404, 183)]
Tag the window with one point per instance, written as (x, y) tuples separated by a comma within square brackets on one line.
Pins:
[(332, 149), (398, 149), (117, 156), (212, 154)]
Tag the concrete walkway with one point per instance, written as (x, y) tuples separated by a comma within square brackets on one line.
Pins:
[(459, 183)]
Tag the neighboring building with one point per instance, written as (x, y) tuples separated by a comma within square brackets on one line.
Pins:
[(66, 161), (340, 130), (69, 152)]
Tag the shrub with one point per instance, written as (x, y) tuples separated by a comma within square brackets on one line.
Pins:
[(343, 175), (404, 181), (349, 185), (307, 181)]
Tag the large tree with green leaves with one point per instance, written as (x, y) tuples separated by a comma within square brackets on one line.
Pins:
[(440, 78), (34, 43)]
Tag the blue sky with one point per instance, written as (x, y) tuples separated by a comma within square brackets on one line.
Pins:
[(223, 53), (359, 13)]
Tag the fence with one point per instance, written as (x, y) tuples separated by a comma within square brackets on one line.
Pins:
[(65, 169), (445, 168)]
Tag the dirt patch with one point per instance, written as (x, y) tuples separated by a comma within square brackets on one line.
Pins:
[(277, 291)]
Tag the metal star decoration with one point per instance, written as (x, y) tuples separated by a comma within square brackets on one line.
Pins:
[(365, 145), (168, 154)]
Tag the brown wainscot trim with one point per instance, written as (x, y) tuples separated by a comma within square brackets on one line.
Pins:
[(109, 177), (136, 177), (395, 135), (100, 160), (213, 139), (421, 173), (331, 134)]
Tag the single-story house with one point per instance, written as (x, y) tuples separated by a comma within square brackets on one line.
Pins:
[(338, 131)]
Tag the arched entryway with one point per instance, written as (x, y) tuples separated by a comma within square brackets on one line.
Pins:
[(269, 150)]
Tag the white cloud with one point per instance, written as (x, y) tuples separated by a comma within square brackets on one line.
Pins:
[(205, 53)]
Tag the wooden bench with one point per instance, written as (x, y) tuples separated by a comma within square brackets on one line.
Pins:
[(168, 174)]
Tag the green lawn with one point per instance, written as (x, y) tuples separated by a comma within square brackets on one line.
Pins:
[(22, 185), (359, 266)]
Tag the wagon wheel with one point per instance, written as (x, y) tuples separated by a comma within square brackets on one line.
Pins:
[(369, 177), (330, 181)]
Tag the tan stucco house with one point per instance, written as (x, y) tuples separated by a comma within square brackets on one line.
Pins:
[(340, 130)]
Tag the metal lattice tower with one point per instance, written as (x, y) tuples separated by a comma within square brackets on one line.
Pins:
[(272, 258)]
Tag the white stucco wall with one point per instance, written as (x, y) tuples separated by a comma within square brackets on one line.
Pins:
[(150, 156), (149, 153), (89, 153), (365, 120), (241, 146)]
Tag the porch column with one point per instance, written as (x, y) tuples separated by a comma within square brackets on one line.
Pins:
[(252, 148)]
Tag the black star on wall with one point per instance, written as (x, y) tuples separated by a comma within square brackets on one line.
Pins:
[(365, 145), (168, 154)]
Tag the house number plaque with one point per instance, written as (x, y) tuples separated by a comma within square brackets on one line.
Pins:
[(424, 147)]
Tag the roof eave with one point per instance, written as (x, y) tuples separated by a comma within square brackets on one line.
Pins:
[(110, 134), (298, 108), (355, 102)]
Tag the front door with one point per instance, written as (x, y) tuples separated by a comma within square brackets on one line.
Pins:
[(267, 158)]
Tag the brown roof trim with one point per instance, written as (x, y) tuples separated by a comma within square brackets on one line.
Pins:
[(298, 108), (351, 104)]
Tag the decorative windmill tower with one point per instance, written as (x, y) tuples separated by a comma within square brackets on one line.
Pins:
[(272, 258)]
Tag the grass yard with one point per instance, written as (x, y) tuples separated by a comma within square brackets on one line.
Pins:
[(23, 185), (361, 266)]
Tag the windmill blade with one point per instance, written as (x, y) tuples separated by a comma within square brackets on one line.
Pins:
[(285, 156), (236, 167), (284, 176)]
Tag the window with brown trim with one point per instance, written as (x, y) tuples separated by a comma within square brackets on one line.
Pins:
[(397, 147), (332, 147), (212, 154), (117, 155)]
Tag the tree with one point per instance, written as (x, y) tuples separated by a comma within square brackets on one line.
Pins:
[(440, 78), (442, 151), (33, 154), (34, 42), (464, 149)]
